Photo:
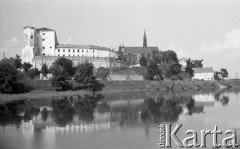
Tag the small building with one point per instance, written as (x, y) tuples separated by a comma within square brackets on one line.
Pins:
[(183, 63), (203, 73)]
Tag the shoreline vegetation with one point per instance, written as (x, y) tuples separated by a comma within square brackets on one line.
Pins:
[(42, 89)]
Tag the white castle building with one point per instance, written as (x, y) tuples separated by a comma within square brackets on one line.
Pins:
[(41, 46)]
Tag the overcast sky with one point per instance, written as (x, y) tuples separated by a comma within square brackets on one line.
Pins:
[(197, 29)]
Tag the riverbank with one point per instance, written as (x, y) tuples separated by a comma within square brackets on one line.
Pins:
[(42, 89)]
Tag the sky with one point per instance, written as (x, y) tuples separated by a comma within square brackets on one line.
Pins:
[(196, 29)]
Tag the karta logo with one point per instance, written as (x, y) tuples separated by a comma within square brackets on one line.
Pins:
[(169, 135)]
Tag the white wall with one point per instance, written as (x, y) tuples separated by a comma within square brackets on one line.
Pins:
[(47, 40), (204, 76)]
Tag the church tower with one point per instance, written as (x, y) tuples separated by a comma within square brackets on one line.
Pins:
[(144, 40)]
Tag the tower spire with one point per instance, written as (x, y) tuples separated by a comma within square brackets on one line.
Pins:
[(144, 40)]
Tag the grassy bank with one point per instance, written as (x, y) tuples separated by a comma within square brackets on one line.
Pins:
[(43, 89)]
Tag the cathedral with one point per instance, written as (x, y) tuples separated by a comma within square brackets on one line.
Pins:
[(133, 54)]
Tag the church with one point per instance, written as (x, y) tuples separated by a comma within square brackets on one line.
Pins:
[(133, 54)]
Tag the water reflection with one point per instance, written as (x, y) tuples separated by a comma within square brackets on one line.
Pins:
[(91, 112)]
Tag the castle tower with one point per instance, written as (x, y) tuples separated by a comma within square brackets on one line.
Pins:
[(30, 47), (144, 40)]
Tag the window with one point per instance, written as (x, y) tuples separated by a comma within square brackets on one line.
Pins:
[(43, 39), (58, 50), (78, 54), (43, 47), (50, 47), (93, 51), (87, 51), (69, 55), (68, 50), (63, 55), (43, 54), (82, 55), (93, 55), (82, 50), (73, 50), (63, 50), (78, 50), (58, 54), (31, 37), (43, 34)]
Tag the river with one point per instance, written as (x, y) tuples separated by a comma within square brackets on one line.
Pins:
[(114, 121)]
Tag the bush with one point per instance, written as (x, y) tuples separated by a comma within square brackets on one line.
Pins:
[(8, 77), (60, 83), (34, 72), (102, 73), (85, 77)]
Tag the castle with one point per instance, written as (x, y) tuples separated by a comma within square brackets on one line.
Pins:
[(41, 47)]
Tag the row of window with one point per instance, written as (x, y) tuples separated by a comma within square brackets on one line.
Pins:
[(78, 50), (73, 55)]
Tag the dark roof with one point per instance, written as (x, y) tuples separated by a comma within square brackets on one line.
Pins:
[(45, 29), (84, 47), (140, 50), (203, 70)]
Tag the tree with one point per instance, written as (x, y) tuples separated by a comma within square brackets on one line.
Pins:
[(85, 77), (17, 62), (216, 76), (33, 73), (60, 83), (143, 61), (44, 70), (189, 67), (224, 72), (26, 66), (170, 57), (197, 64), (102, 73), (65, 64), (153, 71), (8, 77)]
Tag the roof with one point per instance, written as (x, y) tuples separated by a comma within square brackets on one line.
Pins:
[(203, 70), (84, 47), (45, 29), (139, 50), (183, 59)]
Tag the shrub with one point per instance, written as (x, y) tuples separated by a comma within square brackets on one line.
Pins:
[(85, 77), (102, 73), (44, 70), (8, 77), (60, 83), (33, 73)]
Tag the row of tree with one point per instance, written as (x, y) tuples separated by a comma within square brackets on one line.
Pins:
[(165, 64)]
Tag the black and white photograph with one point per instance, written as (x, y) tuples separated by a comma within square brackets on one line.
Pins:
[(119, 74)]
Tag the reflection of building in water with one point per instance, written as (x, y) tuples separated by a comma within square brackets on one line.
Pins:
[(197, 103), (204, 100)]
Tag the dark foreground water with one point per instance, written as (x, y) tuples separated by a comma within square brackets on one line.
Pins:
[(119, 121)]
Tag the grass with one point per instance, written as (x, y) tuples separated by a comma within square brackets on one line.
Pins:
[(43, 89)]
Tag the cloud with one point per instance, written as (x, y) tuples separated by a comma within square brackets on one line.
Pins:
[(14, 40), (231, 42), (223, 54)]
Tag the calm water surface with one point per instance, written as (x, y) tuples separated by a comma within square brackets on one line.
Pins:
[(119, 121)]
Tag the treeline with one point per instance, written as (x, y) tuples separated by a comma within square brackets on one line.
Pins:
[(160, 65), (14, 74)]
